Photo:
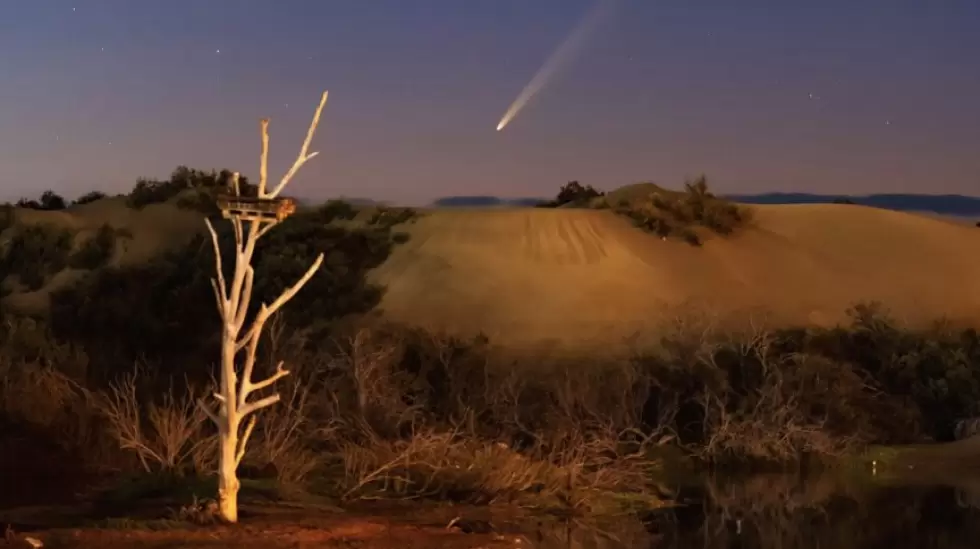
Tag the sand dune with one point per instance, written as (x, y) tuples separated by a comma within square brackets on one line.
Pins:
[(587, 277)]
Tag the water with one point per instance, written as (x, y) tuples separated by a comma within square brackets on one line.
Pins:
[(784, 512)]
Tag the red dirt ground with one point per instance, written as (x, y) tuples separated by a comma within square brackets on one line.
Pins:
[(308, 533)]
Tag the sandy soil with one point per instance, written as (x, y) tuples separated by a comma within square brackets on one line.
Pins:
[(586, 277)]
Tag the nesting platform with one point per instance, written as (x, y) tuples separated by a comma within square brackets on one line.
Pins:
[(256, 209)]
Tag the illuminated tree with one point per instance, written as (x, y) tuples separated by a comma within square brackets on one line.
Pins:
[(251, 218)]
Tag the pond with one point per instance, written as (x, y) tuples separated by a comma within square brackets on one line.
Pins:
[(789, 512)]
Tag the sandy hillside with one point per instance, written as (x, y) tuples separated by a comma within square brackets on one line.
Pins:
[(145, 234), (588, 277)]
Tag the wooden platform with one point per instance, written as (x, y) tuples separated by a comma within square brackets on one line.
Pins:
[(256, 209)]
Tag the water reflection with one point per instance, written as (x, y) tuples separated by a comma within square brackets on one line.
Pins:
[(788, 512)]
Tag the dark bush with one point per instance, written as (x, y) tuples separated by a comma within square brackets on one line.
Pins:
[(88, 198), (572, 193), (336, 209), (386, 218), (49, 201), (96, 251), (35, 253), (164, 311), (148, 191), (6, 217)]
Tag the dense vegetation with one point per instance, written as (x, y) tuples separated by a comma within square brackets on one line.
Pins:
[(373, 409)]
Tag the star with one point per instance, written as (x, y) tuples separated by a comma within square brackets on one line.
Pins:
[(217, 51)]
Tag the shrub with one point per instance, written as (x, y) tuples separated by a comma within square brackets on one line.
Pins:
[(336, 209), (49, 201), (6, 217), (572, 193), (387, 218), (34, 253), (134, 312), (148, 191), (96, 251), (88, 198), (669, 214)]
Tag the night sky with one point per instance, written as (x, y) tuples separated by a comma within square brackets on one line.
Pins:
[(841, 96)]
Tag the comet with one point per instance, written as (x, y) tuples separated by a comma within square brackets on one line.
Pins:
[(567, 50)]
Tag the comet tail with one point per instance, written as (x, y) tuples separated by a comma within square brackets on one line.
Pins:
[(566, 50)]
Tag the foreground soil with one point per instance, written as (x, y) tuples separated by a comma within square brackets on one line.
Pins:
[(268, 534), (279, 528)]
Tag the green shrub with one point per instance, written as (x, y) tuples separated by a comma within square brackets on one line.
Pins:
[(96, 251), (135, 312), (386, 218), (149, 191), (35, 253), (670, 214), (336, 209)]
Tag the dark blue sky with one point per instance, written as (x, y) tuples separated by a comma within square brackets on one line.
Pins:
[(95, 93)]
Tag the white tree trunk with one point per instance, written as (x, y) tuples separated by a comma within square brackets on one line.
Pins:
[(233, 302), (228, 483)]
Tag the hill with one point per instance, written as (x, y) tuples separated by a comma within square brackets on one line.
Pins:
[(483, 201), (576, 277), (580, 276), (947, 204)]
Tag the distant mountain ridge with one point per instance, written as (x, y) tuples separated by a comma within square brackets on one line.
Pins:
[(945, 204), (484, 201)]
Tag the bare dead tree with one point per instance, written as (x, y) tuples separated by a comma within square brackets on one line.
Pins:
[(233, 300)]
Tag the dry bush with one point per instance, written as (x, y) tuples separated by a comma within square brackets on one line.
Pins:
[(410, 415), (281, 438), (167, 433), (49, 401), (451, 465), (740, 397)]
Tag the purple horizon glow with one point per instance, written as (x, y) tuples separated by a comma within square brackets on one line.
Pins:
[(829, 97)]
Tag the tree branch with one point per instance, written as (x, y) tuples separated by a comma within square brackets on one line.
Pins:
[(264, 157), (258, 405), (208, 412), (243, 442), (268, 310), (219, 270), (248, 387), (246, 298), (303, 154), (235, 187)]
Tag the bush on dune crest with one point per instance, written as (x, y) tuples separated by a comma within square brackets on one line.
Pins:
[(672, 214), (668, 214)]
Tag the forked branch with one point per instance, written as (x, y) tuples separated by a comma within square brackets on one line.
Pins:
[(304, 155)]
